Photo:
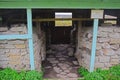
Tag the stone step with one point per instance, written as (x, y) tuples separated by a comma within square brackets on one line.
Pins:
[(66, 79)]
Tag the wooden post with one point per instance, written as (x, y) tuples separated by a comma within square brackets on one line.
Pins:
[(31, 50)]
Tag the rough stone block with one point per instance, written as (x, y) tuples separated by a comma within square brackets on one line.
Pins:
[(88, 45), (15, 62), (3, 29), (115, 57), (99, 65), (108, 52), (57, 70), (89, 36), (16, 42), (14, 50), (106, 45), (115, 41), (118, 52), (26, 57), (13, 54), (20, 46), (10, 32), (114, 46), (4, 66), (104, 59), (18, 28), (2, 46), (27, 67), (99, 46), (103, 34), (14, 58), (70, 51), (23, 50), (23, 53), (114, 61), (107, 65), (106, 29), (96, 59), (19, 67), (103, 39), (3, 58), (114, 35), (26, 62), (9, 46), (3, 41), (87, 60), (99, 53), (2, 51), (116, 29), (72, 75)]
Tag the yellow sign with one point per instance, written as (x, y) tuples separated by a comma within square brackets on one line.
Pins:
[(97, 14), (63, 23)]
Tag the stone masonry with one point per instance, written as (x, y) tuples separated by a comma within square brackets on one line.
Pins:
[(15, 53), (108, 46)]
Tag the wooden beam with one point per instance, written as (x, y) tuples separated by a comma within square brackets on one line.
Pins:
[(54, 19), (94, 42), (60, 4), (31, 50), (12, 36)]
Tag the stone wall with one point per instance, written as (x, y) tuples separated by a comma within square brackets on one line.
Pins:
[(15, 53), (39, 40), (108, 46), (84, 46)]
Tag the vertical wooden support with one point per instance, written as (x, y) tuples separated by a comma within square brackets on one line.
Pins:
[(31, 50), (94, 41)]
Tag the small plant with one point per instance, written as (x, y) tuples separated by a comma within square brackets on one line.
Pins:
[(112, 74), (82, 71), (113, 77), (115, 70), (10, 74), (94, 76), (103, 73), (33, 75)]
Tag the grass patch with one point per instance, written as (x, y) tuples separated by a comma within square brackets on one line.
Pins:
[(112, 74), (10, 74)]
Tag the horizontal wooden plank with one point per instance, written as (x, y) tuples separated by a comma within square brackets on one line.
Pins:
[(62, 4), (60, 0), (9, 37), (54, 19), (51, 0)]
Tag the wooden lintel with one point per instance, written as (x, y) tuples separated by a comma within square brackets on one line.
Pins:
[(54, 19)]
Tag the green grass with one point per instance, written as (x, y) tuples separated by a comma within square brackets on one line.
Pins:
[(10, 74), (112, 74)]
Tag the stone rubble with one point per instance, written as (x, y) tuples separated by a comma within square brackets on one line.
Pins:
[(62, 66)]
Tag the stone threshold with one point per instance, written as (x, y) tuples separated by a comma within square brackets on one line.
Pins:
[(81, 78)]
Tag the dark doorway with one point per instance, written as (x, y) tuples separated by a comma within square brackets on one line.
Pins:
[(60, 35)]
